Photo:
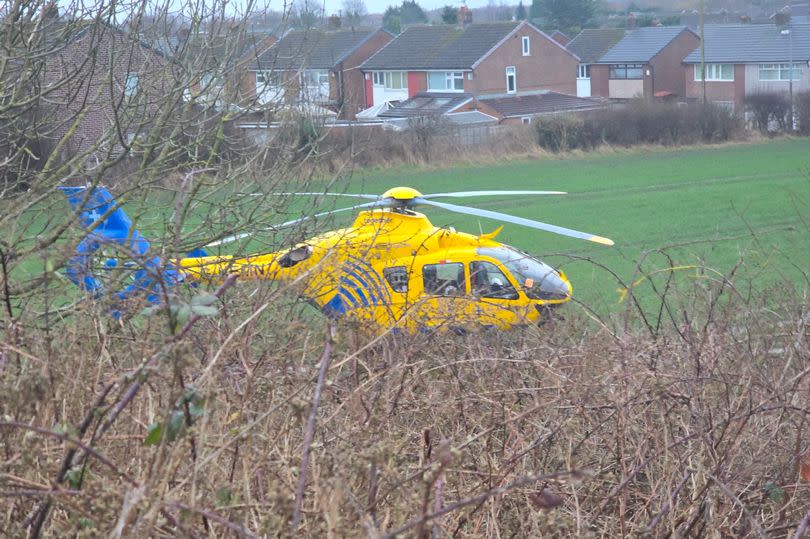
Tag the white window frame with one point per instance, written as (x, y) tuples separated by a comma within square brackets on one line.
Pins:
[(511, 72), (584, 71), (450, 80), (378, 78), (269, 85), (526, 120), (389, 80), (616, 69), (131, 84), (783, 72), (714, 73), (526, 46), (315, 83)]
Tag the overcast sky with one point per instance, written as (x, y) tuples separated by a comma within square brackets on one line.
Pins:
[(378, 6)]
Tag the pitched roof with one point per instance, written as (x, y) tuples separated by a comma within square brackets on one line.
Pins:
[(545, 103), (750, 43), (426, 104), (440, 46), (560, 38), (642, 44), (312, 49), (591, 43)]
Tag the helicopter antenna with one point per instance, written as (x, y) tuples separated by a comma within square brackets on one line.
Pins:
[(480, 229)]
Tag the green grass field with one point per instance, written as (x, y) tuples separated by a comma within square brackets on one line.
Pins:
[(714, 206)]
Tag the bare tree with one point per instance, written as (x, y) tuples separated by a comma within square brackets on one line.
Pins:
[(354, 12)]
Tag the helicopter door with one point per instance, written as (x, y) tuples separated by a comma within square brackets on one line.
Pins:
[(496, 301), (443, 300)]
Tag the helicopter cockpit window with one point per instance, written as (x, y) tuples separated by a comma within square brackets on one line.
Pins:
[(539, 280), (487, 281), (293, 257), (397, 278), (444, 279)]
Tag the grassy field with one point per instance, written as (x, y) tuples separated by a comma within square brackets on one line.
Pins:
[(713, 206)]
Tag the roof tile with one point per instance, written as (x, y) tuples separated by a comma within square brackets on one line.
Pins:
[(440, 46)]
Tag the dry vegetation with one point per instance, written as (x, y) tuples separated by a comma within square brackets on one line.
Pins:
[(696, 429)]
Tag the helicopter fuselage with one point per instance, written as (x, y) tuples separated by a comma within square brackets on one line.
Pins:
[(395, 269)]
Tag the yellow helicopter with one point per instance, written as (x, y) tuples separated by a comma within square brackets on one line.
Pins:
[(394, 269)]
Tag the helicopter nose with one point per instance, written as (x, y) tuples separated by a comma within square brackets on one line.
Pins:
[(554, 286)]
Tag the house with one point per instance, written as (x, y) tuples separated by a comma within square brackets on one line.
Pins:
[(590, 45), (560, 38), (742, 60), (316, 67), (215, 62), (646, 62), (503, 59), (102, 87)]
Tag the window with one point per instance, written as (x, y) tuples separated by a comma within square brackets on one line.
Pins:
[(378, 78), (446, 81), (526, 120), (626, 71), (715, 72), (397, 278), (487, 281), (539, 281), (511, 80), (316, 78), (265, 79), (395, 80), (526, 45), (780, 72), (584, 71), (131, 85), (444, 279)]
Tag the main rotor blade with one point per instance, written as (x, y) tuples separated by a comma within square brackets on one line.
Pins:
[(516, 220), (460, 194), (352, 195), (287, 224)]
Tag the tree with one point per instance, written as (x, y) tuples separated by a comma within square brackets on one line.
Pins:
[(536, 10), (354, 11), (392, 21), (568, 14), (412, 13), (449, 15), (409, 12), (520, 12)]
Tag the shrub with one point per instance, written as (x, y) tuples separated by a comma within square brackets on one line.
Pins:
[(769, 111), (640, 122)]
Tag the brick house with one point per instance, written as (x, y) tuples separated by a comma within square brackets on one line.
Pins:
[(475, 62), (646, 62), (315, 67), (590, 45), (102, 86), (743, 60)]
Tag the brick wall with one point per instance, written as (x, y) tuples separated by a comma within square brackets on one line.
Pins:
[(667, 70), (600, 80), (548, 67), (85, 82), (354, 92)]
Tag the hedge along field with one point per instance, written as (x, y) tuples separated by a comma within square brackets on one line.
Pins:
[(712, 206)]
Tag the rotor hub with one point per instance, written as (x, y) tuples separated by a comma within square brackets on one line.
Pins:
[(403, 194)]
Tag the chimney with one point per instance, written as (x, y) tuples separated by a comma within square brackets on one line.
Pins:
[(464, 16)]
